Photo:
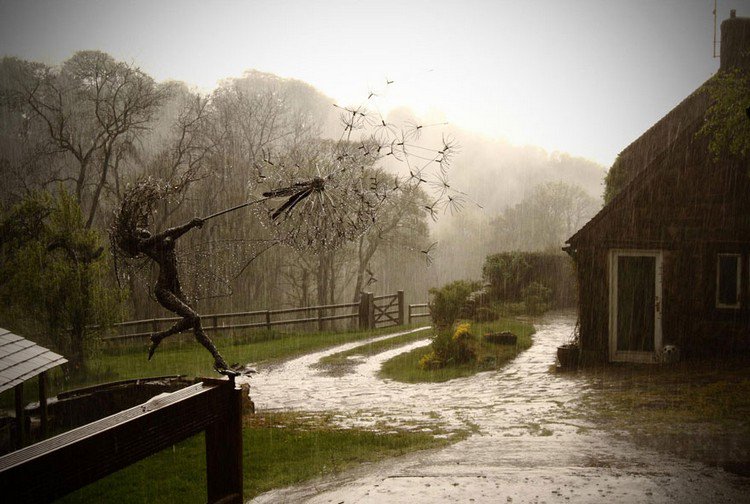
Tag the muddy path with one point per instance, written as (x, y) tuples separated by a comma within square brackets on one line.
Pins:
[(531, 441)]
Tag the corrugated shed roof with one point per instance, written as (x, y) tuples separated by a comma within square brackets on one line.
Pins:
[(21, 359)]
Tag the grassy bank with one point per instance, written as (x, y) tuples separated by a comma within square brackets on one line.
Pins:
[(405, 367), (341, 362), (279, 450)]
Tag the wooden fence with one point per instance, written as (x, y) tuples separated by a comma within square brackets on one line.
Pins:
[(413, 314), (59, 465), (370, 312)]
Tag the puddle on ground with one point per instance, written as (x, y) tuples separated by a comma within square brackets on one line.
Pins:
[(530, 437)]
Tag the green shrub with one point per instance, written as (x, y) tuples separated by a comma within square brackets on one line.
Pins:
[(447, 303), (430, 362), (508, 273), (536, 297), (474, 302), (464, 344), (486, 314), (616, 179), (55, 279), (512, 309), (451, 347)]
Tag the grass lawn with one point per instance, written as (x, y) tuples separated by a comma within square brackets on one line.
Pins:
[(279, 450), (189, 358), (698, 410), (688, 392), (405, 367)]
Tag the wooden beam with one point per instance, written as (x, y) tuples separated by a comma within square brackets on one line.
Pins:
[(43, 403), (20, 416), (56, 466), (224, 454)]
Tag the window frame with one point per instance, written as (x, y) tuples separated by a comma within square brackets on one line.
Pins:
[(738, 258)]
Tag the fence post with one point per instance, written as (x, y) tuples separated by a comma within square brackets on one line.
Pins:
[(268, 319), (224, 452), (365, 301), (400, 295), (320, 319), (216, 322), (371, 310), (409, 317)]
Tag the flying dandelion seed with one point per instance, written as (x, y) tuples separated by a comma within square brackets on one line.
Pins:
[(428, 253)]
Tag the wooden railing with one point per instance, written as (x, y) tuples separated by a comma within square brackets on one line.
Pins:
[(59, 465), (371, 311), (413, 315)]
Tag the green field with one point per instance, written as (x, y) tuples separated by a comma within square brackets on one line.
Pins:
[(279, 449), (341, 362)]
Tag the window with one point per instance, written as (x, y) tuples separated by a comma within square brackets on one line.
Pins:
[(728, 274)]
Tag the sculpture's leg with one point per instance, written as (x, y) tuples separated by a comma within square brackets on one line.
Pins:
[(177, 306), (174, 303), (220, 364)]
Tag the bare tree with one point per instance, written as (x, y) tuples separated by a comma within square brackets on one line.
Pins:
[(93, 110), (402, 224), (27, 160)]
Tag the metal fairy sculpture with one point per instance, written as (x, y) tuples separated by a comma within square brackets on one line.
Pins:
[(131, 237)]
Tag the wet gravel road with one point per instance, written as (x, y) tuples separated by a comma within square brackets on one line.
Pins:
[(532, 442)]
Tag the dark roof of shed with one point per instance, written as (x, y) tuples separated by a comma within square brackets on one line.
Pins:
[(21, 359), (656, 149), (648, 152)]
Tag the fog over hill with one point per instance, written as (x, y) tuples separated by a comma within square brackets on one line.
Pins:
[(496, 175)]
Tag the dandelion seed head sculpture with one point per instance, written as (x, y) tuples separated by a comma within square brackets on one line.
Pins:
[(320, 201), (315, 197), (321, 210)]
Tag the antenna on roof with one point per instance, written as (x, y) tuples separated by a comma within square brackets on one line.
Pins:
[(715, 44)]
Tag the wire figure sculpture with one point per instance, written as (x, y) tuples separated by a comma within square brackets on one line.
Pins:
[(131, 236)]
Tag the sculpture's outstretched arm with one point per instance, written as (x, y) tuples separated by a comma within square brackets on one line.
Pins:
[(174, 232), (177, 231)]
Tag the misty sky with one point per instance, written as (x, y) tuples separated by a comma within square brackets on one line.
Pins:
[(586, 77)]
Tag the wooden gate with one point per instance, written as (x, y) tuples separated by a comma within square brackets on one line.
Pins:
[(388, 310)]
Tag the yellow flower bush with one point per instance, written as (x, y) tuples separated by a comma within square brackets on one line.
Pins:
[(430, 361), (462, 332)]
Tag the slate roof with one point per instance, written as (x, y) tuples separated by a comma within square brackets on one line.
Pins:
[(21, 359)]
